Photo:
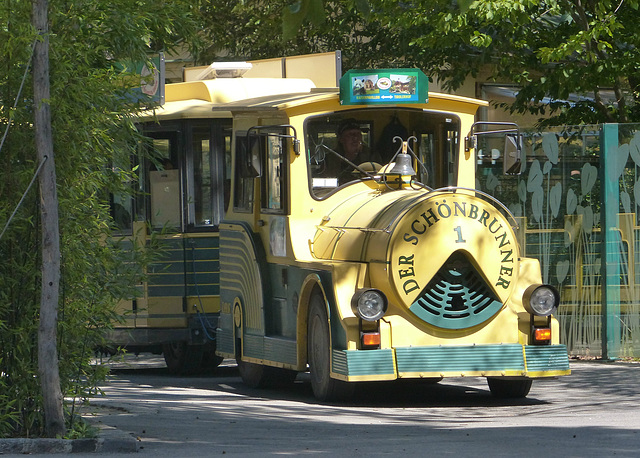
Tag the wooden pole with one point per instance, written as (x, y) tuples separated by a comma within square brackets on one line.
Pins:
[(48, 366)]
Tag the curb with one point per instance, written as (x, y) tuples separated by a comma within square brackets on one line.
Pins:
[(109, 440)]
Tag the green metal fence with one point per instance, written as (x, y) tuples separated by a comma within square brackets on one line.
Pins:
[(577, 204)]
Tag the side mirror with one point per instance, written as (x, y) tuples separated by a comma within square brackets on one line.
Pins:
[(252, 146), (512, 154), (249, 156), (512, 151)]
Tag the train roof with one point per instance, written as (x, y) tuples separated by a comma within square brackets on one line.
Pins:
[(214, 98), (221, 97)]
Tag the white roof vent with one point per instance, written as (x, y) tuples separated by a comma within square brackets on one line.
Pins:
[(224, 70)]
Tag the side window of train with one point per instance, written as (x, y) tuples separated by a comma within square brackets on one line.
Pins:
[(427, 154), (163, 181), (451, 136), (226, 138), (273, 182), (247, 169), (207, 184), (261, 155), (129, 202)]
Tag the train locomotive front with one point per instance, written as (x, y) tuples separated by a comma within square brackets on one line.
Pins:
[(448, 294), (383, 264)]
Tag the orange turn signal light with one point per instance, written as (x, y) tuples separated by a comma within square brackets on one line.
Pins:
[(371, 339), (542, 334)]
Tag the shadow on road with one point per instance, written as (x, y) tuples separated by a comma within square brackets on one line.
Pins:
[(400, 393)]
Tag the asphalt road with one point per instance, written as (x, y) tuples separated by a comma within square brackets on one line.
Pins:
[(592, 413)]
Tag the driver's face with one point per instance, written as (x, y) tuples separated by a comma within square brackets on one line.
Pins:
[(351, 142)]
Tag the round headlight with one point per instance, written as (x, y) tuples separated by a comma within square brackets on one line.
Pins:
[(541, 300), (369, 304)]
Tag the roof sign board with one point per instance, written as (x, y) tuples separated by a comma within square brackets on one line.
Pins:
[(389, 85)]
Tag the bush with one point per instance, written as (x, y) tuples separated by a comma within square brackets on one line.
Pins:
[(93, 129)]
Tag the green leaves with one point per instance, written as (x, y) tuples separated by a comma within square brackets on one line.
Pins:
[(364, 8), (480, 40), (465, 5), (259, 30), (553, 49), (295, 14), (92, 129)]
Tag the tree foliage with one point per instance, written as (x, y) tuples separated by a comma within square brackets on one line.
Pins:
[(93, 128), (574, 60), (257, 29)]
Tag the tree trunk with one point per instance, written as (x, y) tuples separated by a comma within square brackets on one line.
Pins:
[(48, 367)]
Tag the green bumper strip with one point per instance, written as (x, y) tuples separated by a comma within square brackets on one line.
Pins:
[(363, 362), (546, 358), (478, 358), (460, 359)]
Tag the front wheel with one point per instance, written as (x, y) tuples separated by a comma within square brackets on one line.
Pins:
[(509, 388), (260, 376), (324, 387)]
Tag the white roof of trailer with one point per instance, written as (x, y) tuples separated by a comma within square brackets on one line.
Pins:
[(228, 90), (221, 97), (185, 109), (214, 98), (280, 101)]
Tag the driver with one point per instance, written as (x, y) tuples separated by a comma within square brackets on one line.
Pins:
[(350, 141), (351, 147)]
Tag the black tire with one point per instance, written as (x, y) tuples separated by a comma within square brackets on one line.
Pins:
[(260, 376), (252, 374), (509, 388), (324, 387), (181, 358), (209, 358)]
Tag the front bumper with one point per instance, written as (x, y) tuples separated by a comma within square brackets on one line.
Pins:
[(511, 360)]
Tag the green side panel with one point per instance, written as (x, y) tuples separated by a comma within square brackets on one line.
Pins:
[(240, 277), (546, 358), (280, 311), (281, 350), (166, 275), (363, 362), (202, 266), (186, 267), (270, 349), (204, 283), (224, 335), (253, 346), (166, 290), (125, 247), (242, 268), (460, 359)]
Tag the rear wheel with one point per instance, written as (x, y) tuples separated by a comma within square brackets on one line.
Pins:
[(324, 387), (182, 358), (209, 358), (509, 388)]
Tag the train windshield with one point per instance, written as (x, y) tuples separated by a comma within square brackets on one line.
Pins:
[(342, 146)]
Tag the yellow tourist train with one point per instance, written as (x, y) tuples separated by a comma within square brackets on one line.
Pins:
[(335, 230)]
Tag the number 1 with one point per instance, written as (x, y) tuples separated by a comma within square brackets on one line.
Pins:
[(458, 229)]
